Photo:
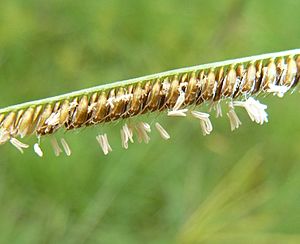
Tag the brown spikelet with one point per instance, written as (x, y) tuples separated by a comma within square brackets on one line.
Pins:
[(191, 90), (118, 105), (135, 104), (219, 84), (154, 96), (291, 72), (80, 113), (35, 118), (270, 75), (41, 127), (100, 109), (9, 122), (14, 129), (250, 78), (64, 112), (258, 76), (173, 93), (229, 82), (25, 122), (208, 85)]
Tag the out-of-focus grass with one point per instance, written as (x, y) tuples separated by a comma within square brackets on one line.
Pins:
[(191, 189)]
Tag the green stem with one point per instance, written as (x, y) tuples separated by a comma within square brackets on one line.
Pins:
[(143, 79)]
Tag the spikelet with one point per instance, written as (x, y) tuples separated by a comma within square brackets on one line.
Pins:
[(237, 82)]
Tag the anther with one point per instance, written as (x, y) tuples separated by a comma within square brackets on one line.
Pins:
[(204, 122), (163, 133)]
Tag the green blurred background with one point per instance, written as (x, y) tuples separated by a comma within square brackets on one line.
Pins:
[(240, 187)]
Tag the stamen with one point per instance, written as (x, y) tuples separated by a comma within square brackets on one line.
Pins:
[(146, 126), (19, 145), (38, 150), (142, 129), (105, 140), (163, 133), (124, 139), (217, 107), (219, 110), (65, 146), (129, 132), (233, 118), (178, 113), (100, 141), (104, 144), (255, 110), (126, 134), (204, 122), (57, 150)]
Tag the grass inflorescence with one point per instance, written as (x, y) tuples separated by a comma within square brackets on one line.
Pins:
[(237, 82)]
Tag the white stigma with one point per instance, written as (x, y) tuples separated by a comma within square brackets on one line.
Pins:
[(91, 107), (73, 104), (53, 119), (205, 122), (255, 110), (166, 87), (278, 90), (181, 98), (110, 102)]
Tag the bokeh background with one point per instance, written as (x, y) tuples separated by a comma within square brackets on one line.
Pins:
[(240, 187)]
